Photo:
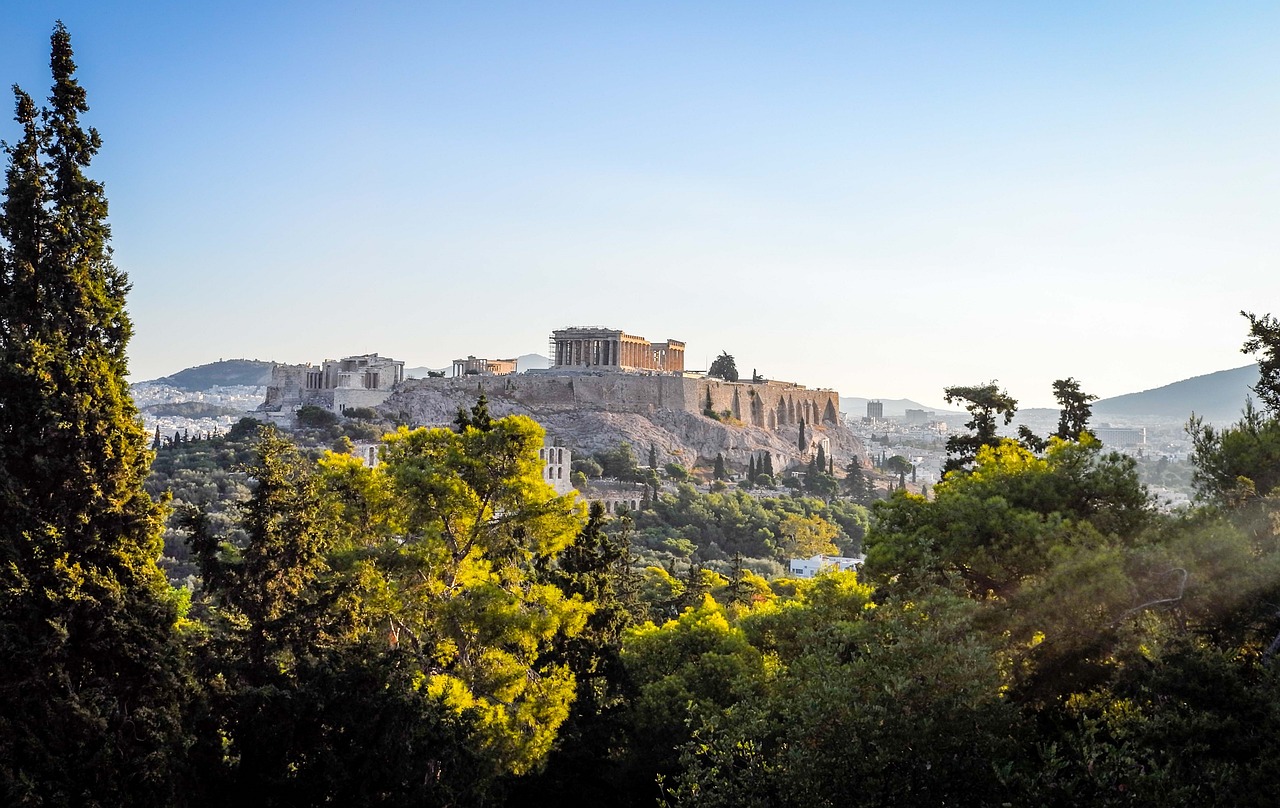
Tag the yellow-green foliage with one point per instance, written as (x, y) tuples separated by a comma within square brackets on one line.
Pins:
[(441, 540)]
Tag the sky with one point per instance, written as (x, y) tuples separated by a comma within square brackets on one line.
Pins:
[(880, 198)]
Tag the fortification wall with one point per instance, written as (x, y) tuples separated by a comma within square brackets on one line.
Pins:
[(768, 405)]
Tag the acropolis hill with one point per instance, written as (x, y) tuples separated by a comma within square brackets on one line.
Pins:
[(605, 387)]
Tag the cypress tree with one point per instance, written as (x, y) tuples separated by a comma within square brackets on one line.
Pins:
[(88, 690), (768, 463), (719, 472), (653, 457), (751, 469), (802, 444), (821, 460)]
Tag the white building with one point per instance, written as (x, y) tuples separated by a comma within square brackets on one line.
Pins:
[(557, 462), (809, 567)]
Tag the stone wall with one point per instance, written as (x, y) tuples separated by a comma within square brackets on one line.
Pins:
[(768, 405), (593, 412)]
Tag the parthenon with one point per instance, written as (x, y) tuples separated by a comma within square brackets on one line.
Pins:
[(608, 348)]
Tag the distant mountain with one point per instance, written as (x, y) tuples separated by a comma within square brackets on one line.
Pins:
[(856, 407), (532, 361), (226, 373), (1215, 397)]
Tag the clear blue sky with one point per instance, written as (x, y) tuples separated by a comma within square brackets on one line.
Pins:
[(882, 198)]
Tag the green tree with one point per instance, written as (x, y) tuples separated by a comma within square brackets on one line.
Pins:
[(856, 484), (1076, 409), (88, 689), (1239, 463), (1264, 340), (88, 693), (719, 472), (581, 770), (723, 367), (985, 403), (619, 462), (900, 466), (802, 443), (1006, 520), (805, 536), (820, 462), (456, 524)]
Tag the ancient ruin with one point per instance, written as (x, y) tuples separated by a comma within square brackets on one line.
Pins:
[(611, 349), (471, 366), (336, 385)]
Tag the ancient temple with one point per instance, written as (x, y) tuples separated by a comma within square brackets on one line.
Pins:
[(610, 349)]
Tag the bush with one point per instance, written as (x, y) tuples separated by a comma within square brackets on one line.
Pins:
[(676, 472), (316, 417), (363, 413), (244, 428)]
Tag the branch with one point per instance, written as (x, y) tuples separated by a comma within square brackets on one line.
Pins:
[(1182, 586)]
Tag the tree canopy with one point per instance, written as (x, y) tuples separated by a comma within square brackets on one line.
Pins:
[(89, 689), (723, 367), (986, 403)]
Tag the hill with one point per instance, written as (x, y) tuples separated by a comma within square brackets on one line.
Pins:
[(227, 373), (1216, 397)]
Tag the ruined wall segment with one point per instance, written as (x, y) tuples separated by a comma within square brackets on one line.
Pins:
[(365, 380), (768, 404)]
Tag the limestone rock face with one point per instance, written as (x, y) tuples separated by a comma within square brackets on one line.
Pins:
[(597, 414)]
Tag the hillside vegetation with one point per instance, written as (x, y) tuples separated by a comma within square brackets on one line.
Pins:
[(226, 373)]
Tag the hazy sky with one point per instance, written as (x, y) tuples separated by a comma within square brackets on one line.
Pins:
[(882, 198)]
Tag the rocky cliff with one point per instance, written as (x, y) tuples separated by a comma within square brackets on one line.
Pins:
[(592, 413)]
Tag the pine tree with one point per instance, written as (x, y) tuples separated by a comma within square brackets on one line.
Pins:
[(855, 482), (88, 691)]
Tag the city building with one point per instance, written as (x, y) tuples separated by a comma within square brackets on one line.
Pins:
[(809, 567)]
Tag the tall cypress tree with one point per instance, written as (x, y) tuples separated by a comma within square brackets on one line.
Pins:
[(88, 691)]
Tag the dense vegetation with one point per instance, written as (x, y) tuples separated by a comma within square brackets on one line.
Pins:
[(443, 629)]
